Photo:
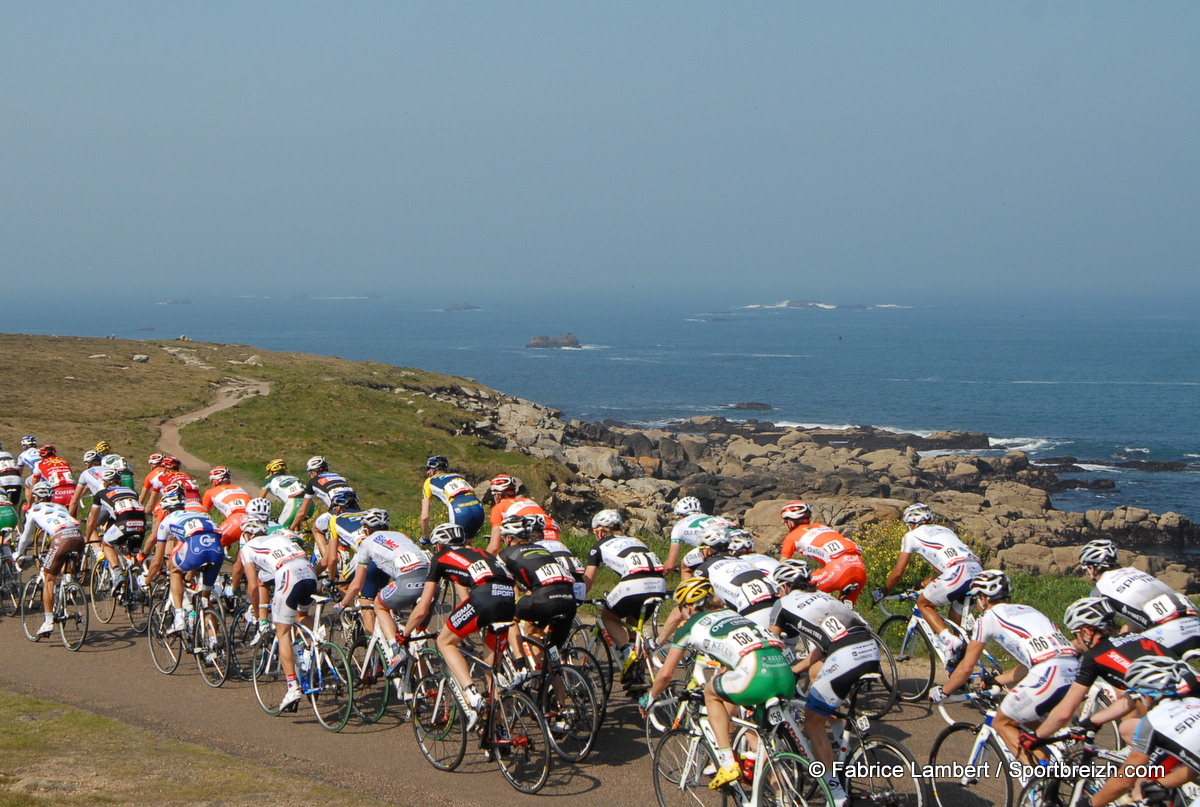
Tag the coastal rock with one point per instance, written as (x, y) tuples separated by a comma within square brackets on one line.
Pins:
[(140, 358), (597, 462), (563, 340)]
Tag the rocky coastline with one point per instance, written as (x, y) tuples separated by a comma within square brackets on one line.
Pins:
[(561, 341), (851, 477)]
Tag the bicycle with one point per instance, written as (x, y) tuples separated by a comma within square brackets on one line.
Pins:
[(373, 689), (877, 693), (1073, 783), (130, 591), (637, 671), (10, 578), (321, 671), (70, 605), (566, 698), (204, 636), (512, 731)]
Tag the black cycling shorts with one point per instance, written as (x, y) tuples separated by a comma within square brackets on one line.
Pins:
[(550, 607), (487, 603)]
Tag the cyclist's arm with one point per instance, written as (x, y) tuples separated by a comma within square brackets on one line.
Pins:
[(672, 558), (814, 656), (1119, 785), (663, 679), (589, 577), (425, 517), (254, 587), (1178, 777), (963, 671), (73, 508), (301, 513), (1115, 711), (93, 517), (26, 536), (1061, 715), (356, 585), (1013, 676), (893, 578)]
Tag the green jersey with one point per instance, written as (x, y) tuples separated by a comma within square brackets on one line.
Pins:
[(725, 635)]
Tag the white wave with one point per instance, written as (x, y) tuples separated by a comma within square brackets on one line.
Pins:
[(1128, 450), (1105, 469), (763, 355), (787, 424), (630, 358), (890, 305), (339, 298), (1029, 445), (784, 304), (595, 347), (1192, 456)]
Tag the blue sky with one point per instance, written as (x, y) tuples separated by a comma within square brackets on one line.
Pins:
[(849, 152)]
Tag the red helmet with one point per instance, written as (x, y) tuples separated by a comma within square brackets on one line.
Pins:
[(797, 510), (156, 459), (47, 451), (218, 475), (502, 483), (171, 463)]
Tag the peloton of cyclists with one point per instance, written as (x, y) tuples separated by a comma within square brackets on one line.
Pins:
[(841, 568)]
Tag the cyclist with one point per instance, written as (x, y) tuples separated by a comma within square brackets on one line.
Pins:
[(118, 510), (741, 545), (549, 604), (1141, 599), (1046, 661), (322, 484), (340, 527), (462, 506), (687, 529), (277, 557), (197, 548), (229, 500), (9, 522), (10, 478), (54, 471), (390, 570), (566, 558), (640, 571), (506, 502), (29, 456), (286, 488), (843, 650), (955, 565), (170, 476), (839, 560), (490, 599), (66, 542), (740, 586), (1170, 725), (756, 669), (89, 480)]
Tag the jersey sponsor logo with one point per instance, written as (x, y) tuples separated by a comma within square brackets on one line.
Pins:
[(1114, 660)]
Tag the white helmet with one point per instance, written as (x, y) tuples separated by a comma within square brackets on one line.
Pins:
[(715, 534), (1102, 553), (253, 527), (258, 508), (688, 505), (608, 519), (376, 519), (1157, 673), (1089, 612), (795, 510), (317, 464), (917, 514), (741, 542), (991, 583), (451, 534)]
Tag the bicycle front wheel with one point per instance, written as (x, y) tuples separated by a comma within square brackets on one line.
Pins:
[(31, 607), (884, 771), (784, 775), (72, 616), (104, 601), (438, 723), (574, 720), (137, 605), (212, 647), (270, 681), (371, 687), (969, 771), (10, 589), (585, 637), (165, 649), (683, 767), (331, 688), (521, 743), (915, 660)]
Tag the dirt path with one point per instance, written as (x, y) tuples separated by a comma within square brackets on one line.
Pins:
[(233, 391)]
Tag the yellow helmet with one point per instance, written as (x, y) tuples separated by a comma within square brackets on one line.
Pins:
[(102, 447), (276, 467), (694, 590)]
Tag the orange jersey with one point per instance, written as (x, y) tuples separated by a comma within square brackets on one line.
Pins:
[(228, 499), (522, 506), (819, 542), (191, 491), (148, 482)]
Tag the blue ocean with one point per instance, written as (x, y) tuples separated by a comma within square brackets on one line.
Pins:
[(1084, 383)]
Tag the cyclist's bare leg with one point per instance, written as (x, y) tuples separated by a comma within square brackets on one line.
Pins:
[(615, 627), (816, 726), (49, 581), (110, 554), (718, 715), (287, 655), (447, 644), (1010, 731), (929, 612), (368, 617), (387, 622)]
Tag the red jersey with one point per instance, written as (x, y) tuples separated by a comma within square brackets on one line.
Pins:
[(228, 499), (55, 471), (819, 542), (523, 506)]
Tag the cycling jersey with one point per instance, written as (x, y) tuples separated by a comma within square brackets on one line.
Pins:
[(271, 553), (289, 490), (8, 517), (847, 575), (764, 563), (551, 601), (938, 545), (523, 506), (568, 561), (118, 462), (168, 478), (740, 586), (1025, 633), (91, 478), (533, 567), (56, 472), (628, 557), (179, 524), (822, 619), (463, 508), (324, 485), (1172, 726), (394, 553), (227, 499), (345, 528), (1132, 593), (467, 566), (1110, 658), (29, 458), (757, 671), (687, 530), (10, 471), (1179, 636), (120, 508), (52, 518), (819, 542), (692, 559), (148, 484)]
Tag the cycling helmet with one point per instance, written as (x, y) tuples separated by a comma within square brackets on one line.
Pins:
[(376, 519), (537, 521), (740, 542), (515, 527), (503, 483), (1102, 553), (451, 534), (253, 527), (110, 475), (171, 463), (47, 451), (156, 459), (258, 509), (29, 441), (991, 583), (42, 490), (917, 514), (791, 572), (175, 489), (608, 519), (688, 505), (344, 498), (1089, 612), (91, 457), (796, 510), (115, 461), (218, 475), (694, 590), (437, 463), (1157, 674), (317, 464), (715, 534), (276, 467), (173, 501), (102, 447)]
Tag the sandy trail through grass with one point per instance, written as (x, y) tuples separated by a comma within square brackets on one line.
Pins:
[(231, 393)]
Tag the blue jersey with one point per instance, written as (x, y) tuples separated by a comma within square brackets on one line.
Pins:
[(182, 525), (462, 505)]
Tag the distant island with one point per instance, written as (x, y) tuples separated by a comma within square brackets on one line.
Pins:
[(463, 307), (811, 304), (563, 340), (753, 406), (177, 301)]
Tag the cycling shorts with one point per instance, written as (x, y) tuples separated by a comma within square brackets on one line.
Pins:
[(952, 586), (290, 508), (840, 671), (758, 677), (231, 528), (405, 590), (468, 516), (840, 574), (760, 614), (117, 533), (295, 585), (629, 596), (64, 495), (487, 603), (65, 544), (550, 607), (1040, 690), (202, 550), (12, 491), (377, 579), (8, 517)]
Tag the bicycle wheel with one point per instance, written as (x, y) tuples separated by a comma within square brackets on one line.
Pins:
[(72, 616), (915, 660), (10, 589), (875, 697), (32, 615), (270, 681), (241, 653), (574, 722), (784, 776), (589, 666), (165, 650), (104, 601), (884, 771), (371, 687), (331, 687), (211, 647), (584, 637), (521, 743), (1109, 738), (439, 723), (137, 604), (661, 718), (683, 767), (985, 784)]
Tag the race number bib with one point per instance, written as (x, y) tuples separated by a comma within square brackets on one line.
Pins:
[(745, 640), (756, 591), (552, 573), (457, 487), (642, 562), (284, 554), (833, 628), (480, 571), (194, 526), (1044, 648), (834, 548), (407, 562), (1166, 607)]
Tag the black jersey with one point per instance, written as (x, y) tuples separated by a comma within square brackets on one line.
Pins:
[(534, 566), (121, 507), (467, 566)]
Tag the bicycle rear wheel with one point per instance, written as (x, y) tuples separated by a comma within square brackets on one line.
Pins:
[(572, 724), (683, 767), (986, 785), (371, 687), (270, 681), (137, 603), (330, 686), (438, 723), (874, 697), (521, 743), (165, 650), (211, 641), (242, 654), (10, 589), (104, 601), (916, 663), (72, 616), (584, 637), (31, 607), (589, 666)]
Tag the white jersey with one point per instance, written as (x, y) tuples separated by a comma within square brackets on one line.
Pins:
[(764, 563), (284, 487), (91, 478), (626, 556), (692, 559), (10, 471), (1172, 726), (688, 529), (821, 618), (739, 585), (1140, 598), (1025, 633), (393, 552), (938, 545), (1180, 636), (50, 517), (271, 553), (29, 458)]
